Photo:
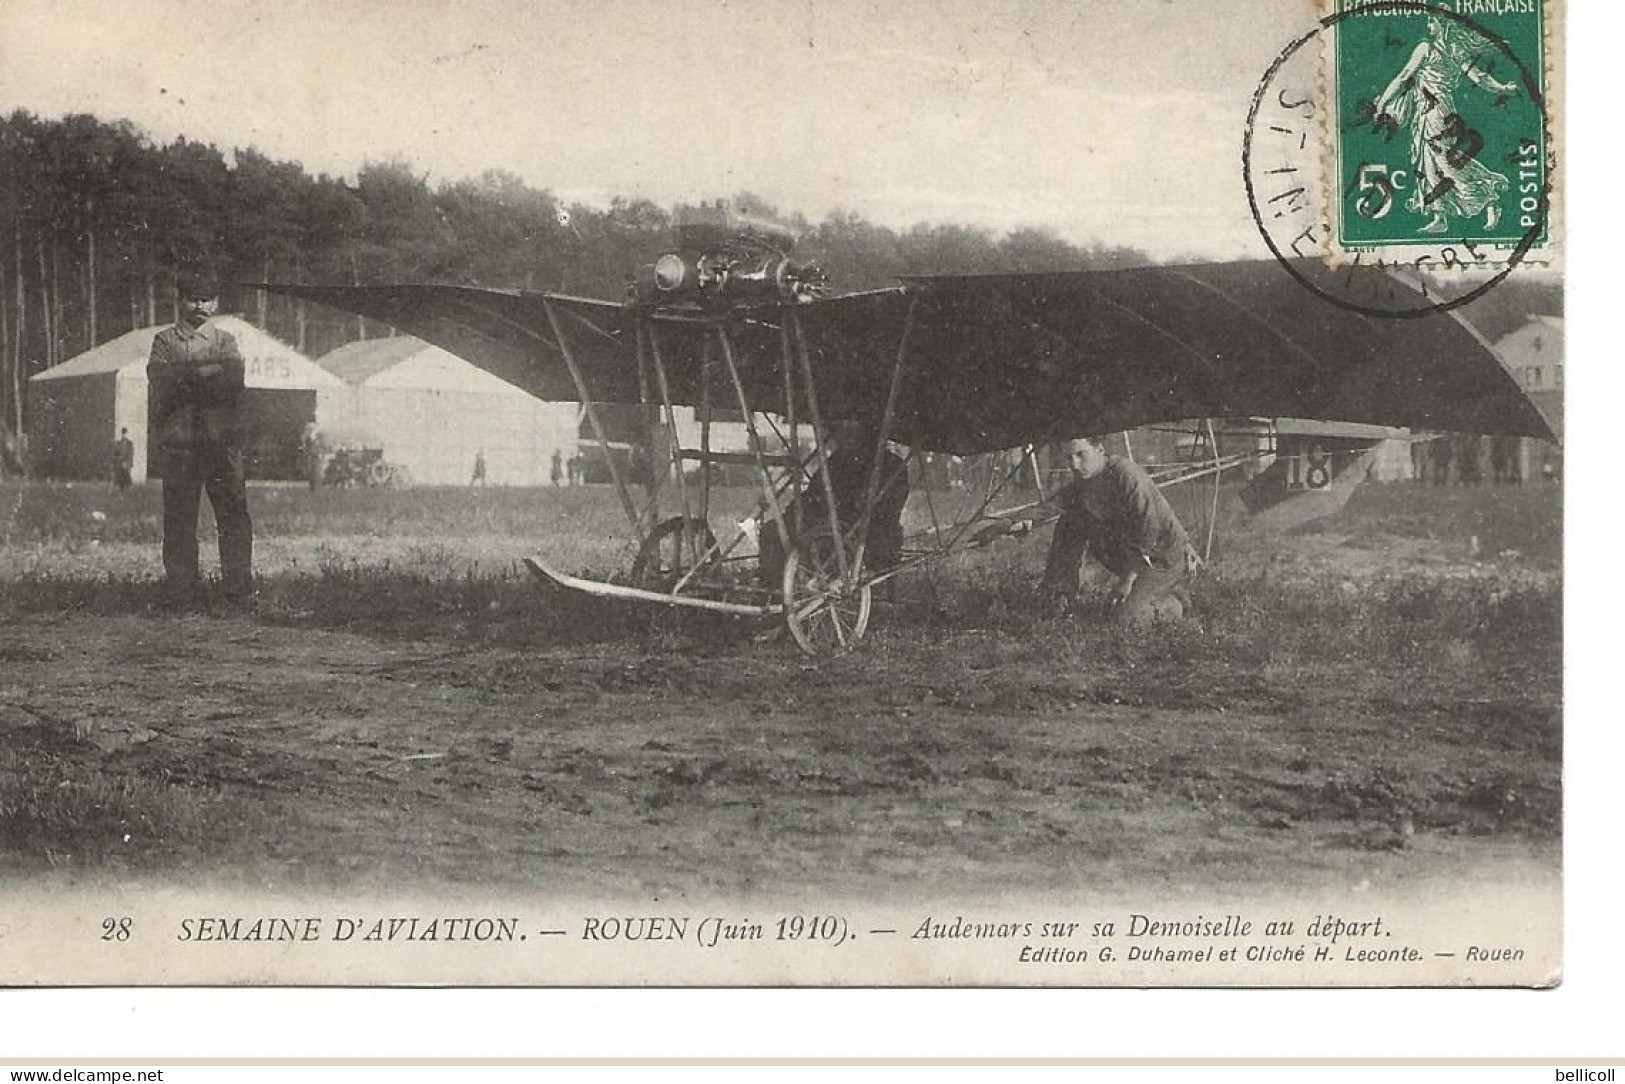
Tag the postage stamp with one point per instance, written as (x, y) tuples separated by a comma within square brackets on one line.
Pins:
[(1403, 137), (1440, 125)]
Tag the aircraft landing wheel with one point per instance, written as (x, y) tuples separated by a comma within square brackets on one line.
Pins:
[(826, 614), (670, 552)]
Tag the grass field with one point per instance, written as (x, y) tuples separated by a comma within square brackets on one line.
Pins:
[(1376, 696)]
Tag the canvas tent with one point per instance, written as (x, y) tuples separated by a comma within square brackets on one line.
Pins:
[(78, 407), (432, 413)]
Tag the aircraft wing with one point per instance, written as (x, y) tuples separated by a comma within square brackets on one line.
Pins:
[(505, 332), (1010, 359), (997, 361)]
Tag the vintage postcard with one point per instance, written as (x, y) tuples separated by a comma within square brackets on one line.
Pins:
[(835, 494)]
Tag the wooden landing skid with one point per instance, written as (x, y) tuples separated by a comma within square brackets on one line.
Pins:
[(621, 591)]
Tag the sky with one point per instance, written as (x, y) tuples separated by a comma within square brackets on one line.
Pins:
[(1115, 123)]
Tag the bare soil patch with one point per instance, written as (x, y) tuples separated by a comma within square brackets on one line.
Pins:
[(1369, 704)]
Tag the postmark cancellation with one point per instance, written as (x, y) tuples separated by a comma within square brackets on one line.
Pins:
[(1414, 138)]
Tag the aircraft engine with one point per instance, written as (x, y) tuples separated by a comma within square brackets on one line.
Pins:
[(728, 275), (723, 258)]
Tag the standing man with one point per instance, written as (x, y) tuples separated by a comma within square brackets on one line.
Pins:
[(123, 460), (1444, 449), (195, 389), (1419, 460), (478, 478), (1509, 451), (557, 475), (1469, 468), (1113, 510), (311, 452)]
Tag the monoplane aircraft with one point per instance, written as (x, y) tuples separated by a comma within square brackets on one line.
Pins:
[(953, 365)]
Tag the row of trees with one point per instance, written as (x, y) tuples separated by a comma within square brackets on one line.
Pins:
[(95, 217)]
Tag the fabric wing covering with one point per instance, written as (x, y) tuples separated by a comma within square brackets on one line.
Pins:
[(996, 361)]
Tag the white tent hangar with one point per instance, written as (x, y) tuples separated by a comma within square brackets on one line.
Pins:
[(433, 413), (77, 408)]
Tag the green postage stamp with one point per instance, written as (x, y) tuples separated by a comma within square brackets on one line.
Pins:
[(1412, 137), (1441, 124)]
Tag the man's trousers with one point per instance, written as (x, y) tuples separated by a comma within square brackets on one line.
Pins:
[(218, 470)]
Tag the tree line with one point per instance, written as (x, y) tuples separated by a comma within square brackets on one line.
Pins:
[(96, 216)]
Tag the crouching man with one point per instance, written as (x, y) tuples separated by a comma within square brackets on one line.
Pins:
[(1112, 510)]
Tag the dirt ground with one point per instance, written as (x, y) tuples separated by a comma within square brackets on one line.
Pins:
[(384, 728)]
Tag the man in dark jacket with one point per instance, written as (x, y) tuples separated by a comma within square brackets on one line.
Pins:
[(1113, 511), (123, 461), (849, 464), (195, 387)]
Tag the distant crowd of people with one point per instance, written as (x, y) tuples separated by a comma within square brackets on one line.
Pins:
[(572, 471), (1467, 459)]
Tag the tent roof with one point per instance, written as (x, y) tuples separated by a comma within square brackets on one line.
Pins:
[(404, 361), (128, 349), (271, 363), (358, 362)]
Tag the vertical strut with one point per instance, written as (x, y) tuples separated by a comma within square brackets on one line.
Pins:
[(755, 438), (1038, 473), (647, 412), (822, 436), (705, 428), (787, 366), (1218, 476), (898, 368), (671, 428), (592, 419)]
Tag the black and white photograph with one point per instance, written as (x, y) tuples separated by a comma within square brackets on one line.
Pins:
[(1006, 494)]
